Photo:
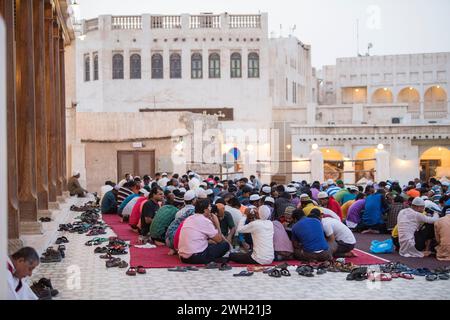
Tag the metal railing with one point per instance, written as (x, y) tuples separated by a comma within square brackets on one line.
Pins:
[(204, 22), (126, 22), (165, 22), (245, 21)]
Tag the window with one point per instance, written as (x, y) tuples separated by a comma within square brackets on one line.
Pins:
[(236, 65), (157, 66), (117, 66), (87, 68), (196, 66), (175, 66), (95, 66), (214, 65), (253, 65), (135, 66)]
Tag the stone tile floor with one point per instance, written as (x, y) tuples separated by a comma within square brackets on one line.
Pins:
[(83, 276)]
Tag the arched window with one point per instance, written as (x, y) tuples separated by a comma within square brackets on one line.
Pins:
[(135, 66), (214, 65), (117, 66), (196, 66), (175, 66), (253, 65), (87, 68), (157, 66), (95, 67), (236, 65)]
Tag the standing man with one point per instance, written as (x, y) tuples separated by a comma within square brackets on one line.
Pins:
[(74, 187)]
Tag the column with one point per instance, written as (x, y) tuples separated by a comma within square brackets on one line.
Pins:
[(317, 171), (25, 117), (63, 113), (50, 103), (383, 171), (57, 102), (7, 11), (41, 125)]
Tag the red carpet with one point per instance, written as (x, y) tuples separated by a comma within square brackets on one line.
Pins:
[(158, 258)]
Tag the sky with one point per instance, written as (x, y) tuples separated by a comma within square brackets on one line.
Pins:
[(329, 26)]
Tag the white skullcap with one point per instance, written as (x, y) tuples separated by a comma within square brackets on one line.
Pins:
[(269, 199), (75, 173), (291, 190), (183, 190), (322, 195), (264, 213), (418, 186), (254, 197), (201, 193), (330, 182), (209, 192), (267, 189), (203, 184), (189, 195), (144, 192), (171, 188), (419, 202), (303, 196), (164, 174)]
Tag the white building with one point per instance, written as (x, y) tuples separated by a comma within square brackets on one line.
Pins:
[(224, 65), (399, 103)]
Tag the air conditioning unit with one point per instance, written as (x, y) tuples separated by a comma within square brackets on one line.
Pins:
[(396, 120)]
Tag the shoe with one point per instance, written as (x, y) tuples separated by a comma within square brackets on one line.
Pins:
[(48, 283), (61, 240), (51, 256), (42, 292)]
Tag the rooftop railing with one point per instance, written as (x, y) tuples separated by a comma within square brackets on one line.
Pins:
[(91, 25), (204, 22), (245, 21), (165, 22), (126, 22)]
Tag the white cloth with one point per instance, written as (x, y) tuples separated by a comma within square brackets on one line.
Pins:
[(262, 235), (341, 231), (235, 213), (122, 182), (330, 213), (163, 182), (126, 212), (265, 213), (410, 221), (24, 293)]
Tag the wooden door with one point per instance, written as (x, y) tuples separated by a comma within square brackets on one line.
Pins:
[(136, 163)]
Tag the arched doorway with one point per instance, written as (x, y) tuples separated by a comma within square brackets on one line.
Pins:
[(365, 164), (435, 100), (333, 163), (410, 96), (383, 95), (435, 162)]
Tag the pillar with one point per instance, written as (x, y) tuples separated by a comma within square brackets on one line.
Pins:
[(25, 116), (317, 171), (57, 102), (382, 166), (7, 11), (63, 113), (41, 121), (50, 101)]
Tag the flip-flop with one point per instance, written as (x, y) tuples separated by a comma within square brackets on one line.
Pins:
[(123, 264), (141, 270), (275, 273), (407, 276), (432, 277), (321, 271), (305, 271), (285, 273), (243, 274), (178, 269), (225, 267), (191, 268), (444, 276), (212, 265), (131, 271)]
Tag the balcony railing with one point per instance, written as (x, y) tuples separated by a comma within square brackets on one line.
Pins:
[(91, 25), (126, 22), (165, 22), (435, 115), (204, 22), (245, 21)]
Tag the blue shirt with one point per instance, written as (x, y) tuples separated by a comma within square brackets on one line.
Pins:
[(125, 202), (347, 197), (373, 210), (309, 233), (333, 190), (109, 203)]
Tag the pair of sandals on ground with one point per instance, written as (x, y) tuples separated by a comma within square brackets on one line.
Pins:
[(212, 265)]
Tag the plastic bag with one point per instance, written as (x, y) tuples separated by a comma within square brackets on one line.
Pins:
[(379, 247)]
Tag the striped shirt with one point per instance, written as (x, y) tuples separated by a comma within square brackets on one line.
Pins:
[(123, 194), (333, 190)]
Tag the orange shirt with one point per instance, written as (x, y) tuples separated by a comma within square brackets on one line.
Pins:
[(413, 193)]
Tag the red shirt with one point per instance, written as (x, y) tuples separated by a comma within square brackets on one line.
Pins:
[(136, 212), (334, 206)]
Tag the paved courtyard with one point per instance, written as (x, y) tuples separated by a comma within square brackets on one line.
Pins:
[(83, 275)]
